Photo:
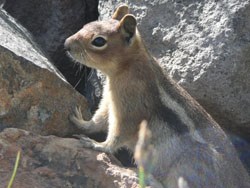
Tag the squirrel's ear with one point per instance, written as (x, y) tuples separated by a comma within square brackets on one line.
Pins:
[(128, 27), (120, 12)]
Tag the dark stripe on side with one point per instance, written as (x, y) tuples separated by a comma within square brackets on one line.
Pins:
[(172, 119)]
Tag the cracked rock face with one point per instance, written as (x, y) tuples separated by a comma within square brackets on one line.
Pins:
[(204, 46)]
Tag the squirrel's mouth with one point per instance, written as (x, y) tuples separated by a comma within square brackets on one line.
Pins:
[(69, 55), (78, 56), (74, 50)]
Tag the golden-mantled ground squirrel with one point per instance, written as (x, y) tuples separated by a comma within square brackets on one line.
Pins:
[(190, 145)]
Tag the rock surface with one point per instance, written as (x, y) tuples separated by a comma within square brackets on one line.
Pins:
[(204, 45), (33, 94), (58, 162)]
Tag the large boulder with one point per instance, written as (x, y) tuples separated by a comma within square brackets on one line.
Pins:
[(33, 94), (204, 46)]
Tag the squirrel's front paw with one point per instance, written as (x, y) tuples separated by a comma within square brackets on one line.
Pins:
[(78, 120)]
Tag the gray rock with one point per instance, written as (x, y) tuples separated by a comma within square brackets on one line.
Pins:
[(204, 46), (16, 38)]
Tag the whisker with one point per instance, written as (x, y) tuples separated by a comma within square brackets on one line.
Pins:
[(78, 82), (78, 70), (90, 74)]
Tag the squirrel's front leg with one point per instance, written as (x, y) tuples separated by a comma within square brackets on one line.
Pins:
[(78, 120), (98, 123), (113, 141)]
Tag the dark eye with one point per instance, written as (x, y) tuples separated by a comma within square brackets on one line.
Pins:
[(99, 42)]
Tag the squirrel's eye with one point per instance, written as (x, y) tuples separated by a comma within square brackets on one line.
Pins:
[(99, 42)]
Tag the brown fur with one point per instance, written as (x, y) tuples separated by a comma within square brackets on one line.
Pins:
[(190, 145)]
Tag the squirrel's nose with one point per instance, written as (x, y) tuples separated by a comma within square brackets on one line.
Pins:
[(71, 44)]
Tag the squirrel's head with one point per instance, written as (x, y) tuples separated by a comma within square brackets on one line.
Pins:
[(105, 44)]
